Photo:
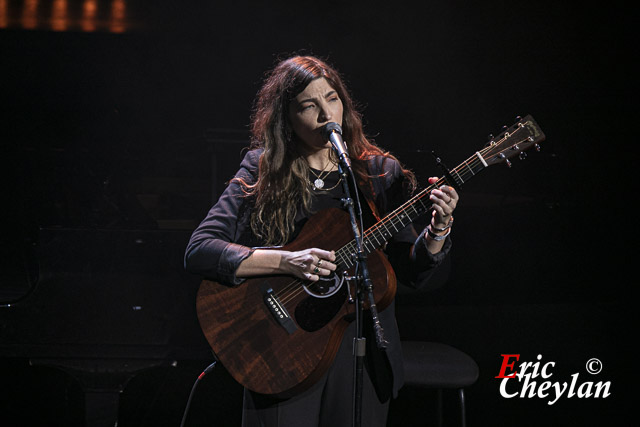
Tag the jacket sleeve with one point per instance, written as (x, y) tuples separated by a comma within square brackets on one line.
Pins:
[(213, 250)]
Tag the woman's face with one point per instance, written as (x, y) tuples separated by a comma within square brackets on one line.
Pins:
[(314, 107)]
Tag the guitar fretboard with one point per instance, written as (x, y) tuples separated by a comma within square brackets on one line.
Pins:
[(381, 232), (524, 134)]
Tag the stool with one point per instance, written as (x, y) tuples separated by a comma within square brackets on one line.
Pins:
[(439, 366)]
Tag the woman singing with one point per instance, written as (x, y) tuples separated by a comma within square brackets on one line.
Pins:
[(289, 174)]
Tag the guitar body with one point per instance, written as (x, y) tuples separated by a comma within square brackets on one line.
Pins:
[(278, 335), (244, 325)]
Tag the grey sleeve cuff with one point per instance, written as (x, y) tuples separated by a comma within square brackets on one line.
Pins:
[(422, 256), (230, 259)]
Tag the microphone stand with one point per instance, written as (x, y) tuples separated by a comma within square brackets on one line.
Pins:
[(364, 285)]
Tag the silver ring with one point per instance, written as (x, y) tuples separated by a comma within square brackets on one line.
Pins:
[(319, 263)]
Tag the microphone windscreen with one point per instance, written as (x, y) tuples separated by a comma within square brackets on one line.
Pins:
[(331, 127)]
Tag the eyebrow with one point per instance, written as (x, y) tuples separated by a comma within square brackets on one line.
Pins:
[(326, 95)]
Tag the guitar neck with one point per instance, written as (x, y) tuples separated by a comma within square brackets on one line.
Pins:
[(521, 136), (381, 232)]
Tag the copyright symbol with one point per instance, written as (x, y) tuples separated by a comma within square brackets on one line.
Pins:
[(594, 366)]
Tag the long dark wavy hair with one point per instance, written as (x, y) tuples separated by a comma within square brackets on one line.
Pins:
[(283, 186)]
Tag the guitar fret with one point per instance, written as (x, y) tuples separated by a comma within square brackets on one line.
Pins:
[(369, 249), (418, 205), (341, 258), (461, 180), (424, 207), (402, 215), (385, 226), (469, 167), (415, 211)]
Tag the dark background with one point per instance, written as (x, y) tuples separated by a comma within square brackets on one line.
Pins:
[(111, 136)]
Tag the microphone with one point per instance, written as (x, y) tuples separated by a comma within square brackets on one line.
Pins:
[(333, 132)]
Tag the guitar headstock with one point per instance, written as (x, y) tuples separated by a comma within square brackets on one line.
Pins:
[(515, 140)]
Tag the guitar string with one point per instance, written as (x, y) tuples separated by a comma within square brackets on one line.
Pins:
[(291, 290), (398, 214), (287, 294), (340, 257), (298, 290), (287, 297), (474, 160)]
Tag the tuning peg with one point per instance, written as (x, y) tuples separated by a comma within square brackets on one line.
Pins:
[(522, 155), (518, 118), (537, 146), (503, 157)]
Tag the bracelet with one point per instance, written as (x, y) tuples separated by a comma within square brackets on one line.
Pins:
[(446, 227), (435, 236)]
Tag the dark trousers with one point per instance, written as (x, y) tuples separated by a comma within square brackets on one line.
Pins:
[(328, 403)]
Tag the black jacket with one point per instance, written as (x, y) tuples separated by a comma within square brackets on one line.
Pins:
[(224, 239)]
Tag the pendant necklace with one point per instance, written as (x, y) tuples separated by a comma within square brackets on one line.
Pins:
[(330, 188), (318, 184)]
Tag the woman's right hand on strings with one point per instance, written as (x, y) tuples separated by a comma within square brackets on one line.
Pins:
[(308, 264)]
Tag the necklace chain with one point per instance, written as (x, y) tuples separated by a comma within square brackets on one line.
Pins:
[(320, 188), (318, 183)]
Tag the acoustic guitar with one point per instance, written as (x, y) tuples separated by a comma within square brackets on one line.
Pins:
[(278, 335)]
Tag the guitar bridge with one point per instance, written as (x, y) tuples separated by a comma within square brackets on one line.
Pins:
[(279, 312)]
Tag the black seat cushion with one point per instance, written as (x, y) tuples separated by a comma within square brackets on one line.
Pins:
[(437, 365)]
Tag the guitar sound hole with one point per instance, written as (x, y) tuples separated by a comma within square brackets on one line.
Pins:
[(313, 313), (325, 287)]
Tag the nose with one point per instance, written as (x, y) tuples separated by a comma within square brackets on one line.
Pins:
[(325, 114)]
